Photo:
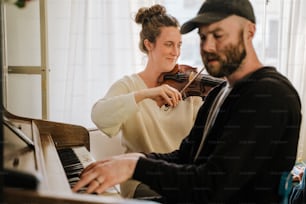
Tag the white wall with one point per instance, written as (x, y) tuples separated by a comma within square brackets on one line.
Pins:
[(22, 33), (102, 146)]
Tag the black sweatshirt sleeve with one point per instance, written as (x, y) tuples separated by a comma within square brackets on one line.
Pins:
[(256, 141)]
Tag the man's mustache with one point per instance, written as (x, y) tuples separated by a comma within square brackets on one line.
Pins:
[(211, 56)]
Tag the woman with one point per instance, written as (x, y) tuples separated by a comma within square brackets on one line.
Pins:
[(135, 104)]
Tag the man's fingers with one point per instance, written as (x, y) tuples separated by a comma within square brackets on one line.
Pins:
[(86, 179), (103, 187)]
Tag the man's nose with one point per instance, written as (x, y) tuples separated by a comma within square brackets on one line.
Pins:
[(208, 45)]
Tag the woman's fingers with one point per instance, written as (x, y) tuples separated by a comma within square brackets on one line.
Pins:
[(170, 95), (163, 94)]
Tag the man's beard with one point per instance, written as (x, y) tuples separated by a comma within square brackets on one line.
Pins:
[(234, 55)]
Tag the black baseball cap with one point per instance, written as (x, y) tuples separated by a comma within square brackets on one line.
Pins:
[(215, 10)]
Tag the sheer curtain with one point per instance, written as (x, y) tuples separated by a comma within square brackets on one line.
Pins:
[(94, 43), (293, 55), (91, 45), (88, 50)]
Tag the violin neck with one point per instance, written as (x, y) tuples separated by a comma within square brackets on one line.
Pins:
[(207, 80)]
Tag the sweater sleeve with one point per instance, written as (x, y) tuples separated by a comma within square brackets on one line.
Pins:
[(119, 103)]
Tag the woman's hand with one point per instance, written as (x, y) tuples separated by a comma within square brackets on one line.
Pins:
[(101, 175), (163, 94)]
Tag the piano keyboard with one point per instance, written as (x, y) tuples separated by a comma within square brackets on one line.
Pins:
[(74, 160)]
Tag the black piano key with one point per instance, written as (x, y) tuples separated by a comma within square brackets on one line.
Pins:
[(71, 164), (73, 180), (72, 167), (75, 168)]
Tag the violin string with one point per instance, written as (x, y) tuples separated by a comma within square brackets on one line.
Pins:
[(186, 86), (166, 108)]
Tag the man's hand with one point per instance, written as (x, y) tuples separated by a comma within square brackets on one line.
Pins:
[(101, 175)]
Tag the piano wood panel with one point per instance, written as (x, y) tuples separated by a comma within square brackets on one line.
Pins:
[(53, 169), (64, 135), (13, 196), (17, 155), (44, 161)]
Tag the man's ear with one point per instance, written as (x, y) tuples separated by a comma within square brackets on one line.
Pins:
[(251, 29), (148, 44)]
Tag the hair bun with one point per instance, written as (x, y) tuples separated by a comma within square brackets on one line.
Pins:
[(145, 14)]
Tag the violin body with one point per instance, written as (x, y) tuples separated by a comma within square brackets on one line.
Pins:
[(181, 75)]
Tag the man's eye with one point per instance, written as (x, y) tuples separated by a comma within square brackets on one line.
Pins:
[(217, 36), (202, 38)]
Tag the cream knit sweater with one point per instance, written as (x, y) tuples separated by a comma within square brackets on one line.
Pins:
[(145, 126)]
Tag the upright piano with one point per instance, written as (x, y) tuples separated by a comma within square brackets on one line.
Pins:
[(39, 159)]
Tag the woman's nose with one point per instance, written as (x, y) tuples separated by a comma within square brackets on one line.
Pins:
[(176, 51)]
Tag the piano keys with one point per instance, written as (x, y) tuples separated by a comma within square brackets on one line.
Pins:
[(74, 160), (48, 162)]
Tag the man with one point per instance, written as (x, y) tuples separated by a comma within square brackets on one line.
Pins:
[(245, 135)]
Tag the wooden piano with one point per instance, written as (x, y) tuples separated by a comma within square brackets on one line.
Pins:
[(34, 152)]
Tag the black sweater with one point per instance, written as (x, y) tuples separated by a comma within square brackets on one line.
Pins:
[(252, 142)]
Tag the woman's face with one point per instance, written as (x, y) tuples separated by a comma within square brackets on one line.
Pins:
[(167, 48)]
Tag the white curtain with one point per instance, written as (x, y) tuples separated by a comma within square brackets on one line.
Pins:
[(93, 43), (88, 50), (293, 55)]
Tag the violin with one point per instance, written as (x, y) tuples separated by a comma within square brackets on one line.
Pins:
[(189, 81)]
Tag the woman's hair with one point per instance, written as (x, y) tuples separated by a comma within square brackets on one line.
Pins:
[(152, 19)]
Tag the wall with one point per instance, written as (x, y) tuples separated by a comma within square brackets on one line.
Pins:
[(102, 146), (22, 45)]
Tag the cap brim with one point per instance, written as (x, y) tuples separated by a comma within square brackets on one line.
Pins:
[(202, 19)]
